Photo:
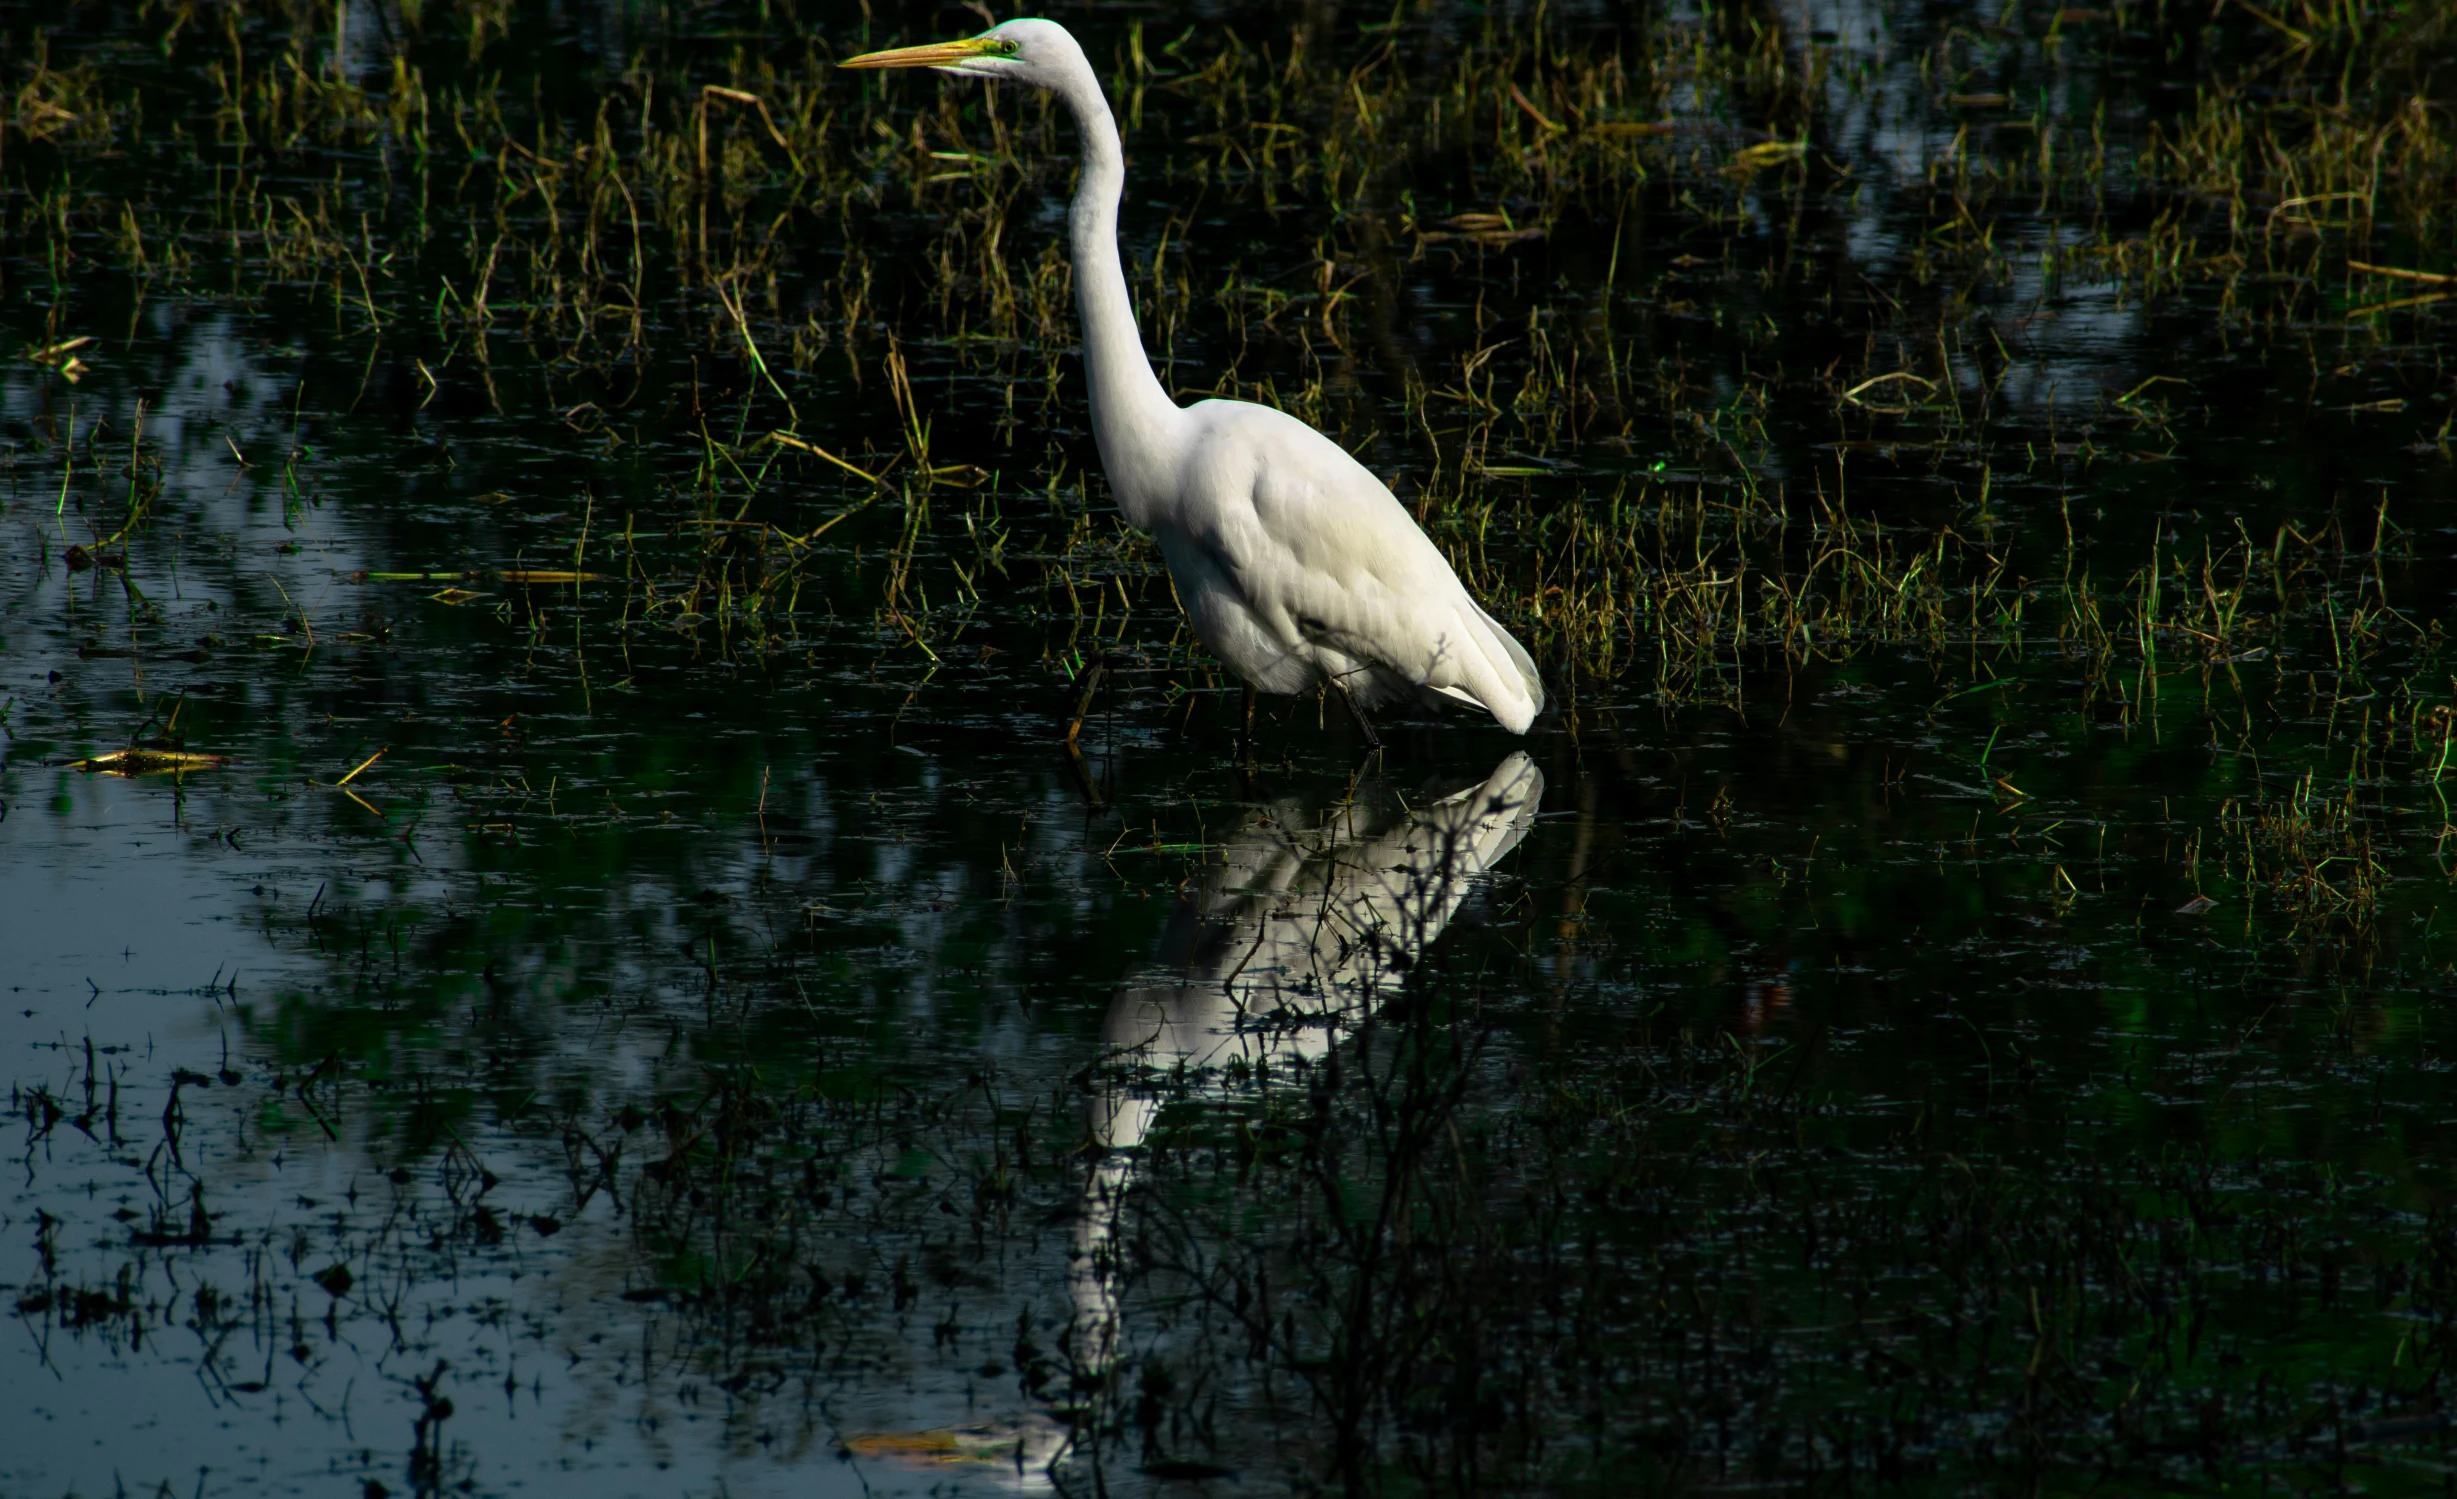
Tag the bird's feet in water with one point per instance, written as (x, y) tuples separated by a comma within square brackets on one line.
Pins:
[(1079, 696), (1084, 780), (1356, 715), (1080, 693)]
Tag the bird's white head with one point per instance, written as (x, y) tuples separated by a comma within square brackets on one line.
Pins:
[(1037, 52)]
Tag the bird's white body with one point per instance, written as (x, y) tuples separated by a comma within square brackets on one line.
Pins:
[(1296, 566)]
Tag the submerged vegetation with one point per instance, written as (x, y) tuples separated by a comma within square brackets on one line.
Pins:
[(584, 522)]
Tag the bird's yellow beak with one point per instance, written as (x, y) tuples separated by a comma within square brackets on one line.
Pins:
[(932, 54)]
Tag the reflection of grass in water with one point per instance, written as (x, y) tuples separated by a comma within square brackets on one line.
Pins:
[(1707, 1261), (1676, 1276)]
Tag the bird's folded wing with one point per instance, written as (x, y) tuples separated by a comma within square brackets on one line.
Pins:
[(1323, 552)]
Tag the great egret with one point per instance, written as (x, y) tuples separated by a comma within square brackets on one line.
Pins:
[(1296, 566)]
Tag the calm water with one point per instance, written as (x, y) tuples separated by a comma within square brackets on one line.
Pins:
[(684, 1025)]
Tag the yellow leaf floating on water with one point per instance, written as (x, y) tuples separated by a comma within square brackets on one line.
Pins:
[(1492, 230), (54, 354), (454, 596), (980, 1444), (903, 1444), (510, 575), (62, 356), (477, 576), (1768, 153), (147, 762)]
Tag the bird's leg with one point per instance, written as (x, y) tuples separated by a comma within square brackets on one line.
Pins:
[(1245, 729), (1083, 777), (1356, 715), (1088, 681)]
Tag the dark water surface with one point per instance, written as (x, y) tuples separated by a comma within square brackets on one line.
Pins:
[(634, 997)]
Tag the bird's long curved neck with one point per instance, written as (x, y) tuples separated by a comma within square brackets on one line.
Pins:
[(1131, 414)]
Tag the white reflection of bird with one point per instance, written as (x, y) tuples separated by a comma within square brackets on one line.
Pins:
[(1294, 935), (1295, 565)]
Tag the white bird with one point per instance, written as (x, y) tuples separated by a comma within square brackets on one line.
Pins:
[(1296, 566)]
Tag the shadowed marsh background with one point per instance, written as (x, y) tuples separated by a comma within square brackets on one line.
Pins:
[(549, 944)]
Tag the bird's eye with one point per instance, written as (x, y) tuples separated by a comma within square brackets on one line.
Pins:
[(1004, 47)]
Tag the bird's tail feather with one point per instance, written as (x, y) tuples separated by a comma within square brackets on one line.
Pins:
[(1508, 686)]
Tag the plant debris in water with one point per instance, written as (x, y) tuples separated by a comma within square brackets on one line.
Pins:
[(569, 534)]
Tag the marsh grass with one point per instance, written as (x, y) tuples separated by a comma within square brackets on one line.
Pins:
[(806, 341), (690, 199)]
